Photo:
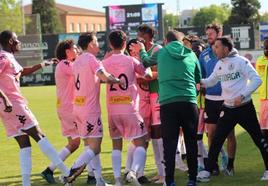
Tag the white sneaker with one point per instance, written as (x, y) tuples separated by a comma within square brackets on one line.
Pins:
[(181, 165), (265, 176), (61, 179), (203, 176), (132, 178)]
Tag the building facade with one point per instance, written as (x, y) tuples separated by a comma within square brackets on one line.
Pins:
[(76, 20)]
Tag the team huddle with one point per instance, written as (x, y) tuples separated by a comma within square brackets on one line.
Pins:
[(152, 94)]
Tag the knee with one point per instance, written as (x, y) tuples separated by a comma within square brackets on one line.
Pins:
[(96, 150), (24, 144), (73, 145)]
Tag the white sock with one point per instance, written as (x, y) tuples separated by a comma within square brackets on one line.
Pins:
[(205, 152), (200, 158), (161, 153), (140, 173), (26, 165), (116, 161), (139, 157), (96, 165), (129, 160), (201, 162), (89, 169), (157, 157), (84, 158), (53, 156), (200, 147), (181, 143), (63, 154)]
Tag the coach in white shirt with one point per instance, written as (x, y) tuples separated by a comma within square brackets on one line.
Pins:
[(238, 80)]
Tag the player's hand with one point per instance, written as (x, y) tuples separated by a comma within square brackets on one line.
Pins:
[(52, 61), (136, 47), (8, 105), (202, 85), (122, 83), (198, 86)]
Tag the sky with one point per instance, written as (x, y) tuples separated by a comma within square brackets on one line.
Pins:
[(170, 5)]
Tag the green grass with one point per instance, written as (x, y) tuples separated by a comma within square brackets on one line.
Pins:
[(248, 164)]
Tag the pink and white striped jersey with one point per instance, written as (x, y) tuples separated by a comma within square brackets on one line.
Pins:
[(87, 84), (123, 100), (65, 85), (10, 71)]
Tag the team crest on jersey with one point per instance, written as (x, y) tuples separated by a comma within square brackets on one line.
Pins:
[(231, 67), (207, 58), (221, 114)]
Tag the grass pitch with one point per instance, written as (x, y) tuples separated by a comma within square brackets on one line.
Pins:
[(42, 101)]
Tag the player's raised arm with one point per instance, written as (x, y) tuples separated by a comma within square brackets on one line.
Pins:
[(29, 70), (211, 80)]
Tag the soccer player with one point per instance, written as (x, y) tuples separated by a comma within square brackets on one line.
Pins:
[(179, 72), (214, 100), (146, 34), (262, 69), (88, 72), (123, 108), (20, 122), (238, 80), (66, 52), (145, 112)]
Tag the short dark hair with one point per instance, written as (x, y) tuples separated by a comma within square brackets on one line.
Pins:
[(5, 36), (215, 26), (62, 47), (117, 39), (85, 38), (227, 42), (129, 43), (174, 35), (147, 29)]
